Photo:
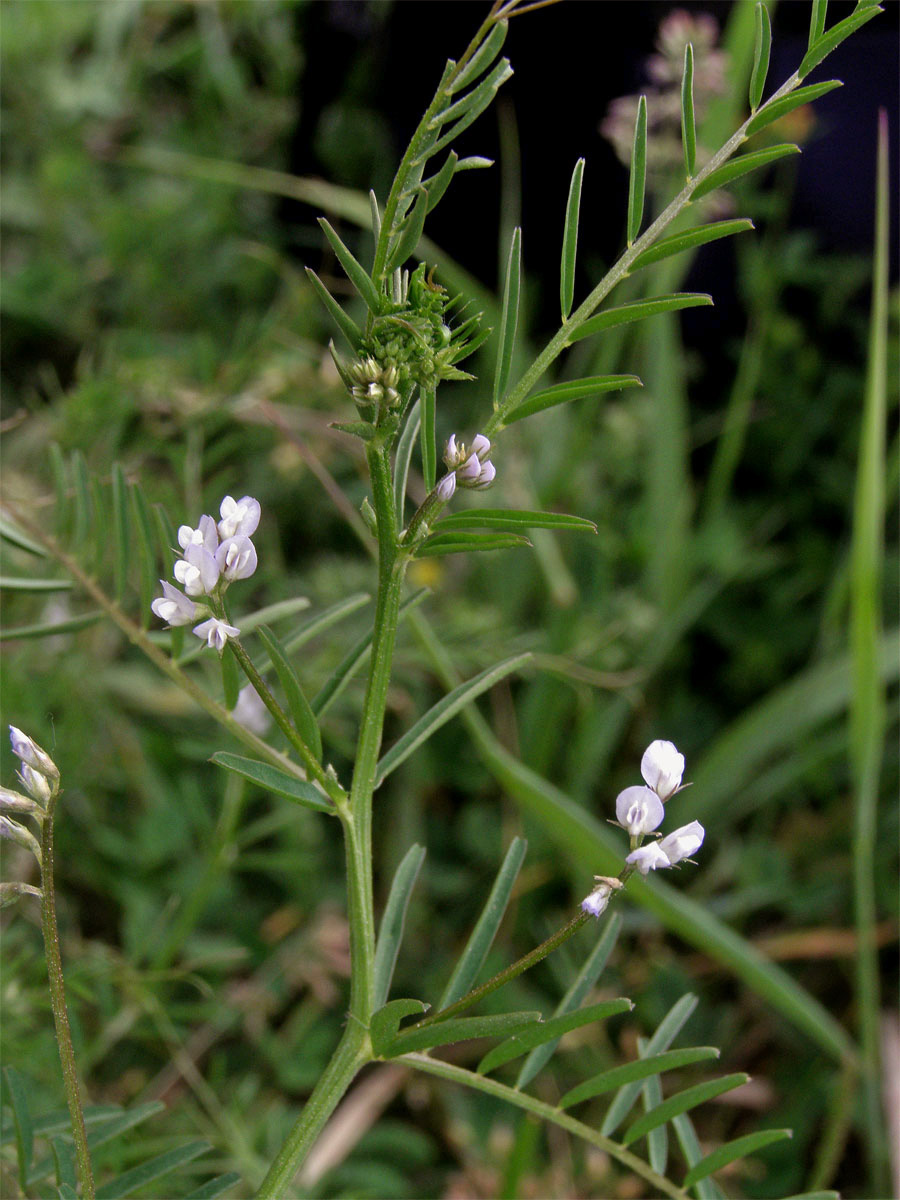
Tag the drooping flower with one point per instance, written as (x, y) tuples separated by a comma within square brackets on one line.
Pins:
[(648, 858), (639, 810), (198, 571), (173, 606), (596, 902), (238, 516), (683, 842), (662, 768), (236, 558), (216, 633)]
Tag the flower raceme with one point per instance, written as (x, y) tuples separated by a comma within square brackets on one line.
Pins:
[(467, 466), (214, 556)]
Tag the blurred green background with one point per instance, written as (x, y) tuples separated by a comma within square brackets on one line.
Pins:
[(156, 313)]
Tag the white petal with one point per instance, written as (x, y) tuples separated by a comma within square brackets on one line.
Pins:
[(648, 858), (596, 902), (662, 768), (639, 810), (683, 842)]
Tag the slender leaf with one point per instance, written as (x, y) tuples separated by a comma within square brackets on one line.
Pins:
[(411, 232), (638, 310), (817, 17), (440, 181), (463, 543), (429, 446), (375, 212), (472, 958), (364, 430), (481, 59), (64, 1163), (324, 620), (570, 242), (585, 979), (50, 628), (637, 180), (60, 471), (761, 50), (480, 96), (657, 1139), (833, 38), (17, 1088), (386, 1022), (682, 1102), (390, 933), (666, 1032), (707, 1189), (301, 712), (274, 780), (550, 1030), (475, 162), (143, 524), (732, 1151), (101, 1131), (355, 273), (99, 521), (231, 680), (690, 239), (153, 1168), (462, 1029), (511, 519), (562, 393), (688, 120), (741, 166), (345, 324), (509, 316), (499, 76), (439, 714), (121, 530), (636, 1071), (81, 498), (9, 533), (402, 458), (215, 1187), (16, 584), (816, 1196), (775, 109)]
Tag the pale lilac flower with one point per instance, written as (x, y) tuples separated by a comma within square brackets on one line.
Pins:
[(216, 633), (683, 842), (648, 858), (236, 558), (250, 710), (173, 606), (205, 535), (470, 463), (36, 785), (16, 802), (238, 516), (26, 749), (198, 571), (446, 487), (639, 811), (662, 768), (596, 902), (20, 835)]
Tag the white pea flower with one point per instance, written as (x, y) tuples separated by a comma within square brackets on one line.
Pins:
[(662, 768), (250, 710), (648, 858), (236, 558), (446, 487), (238, 516), (639, 810), (596, 902), (683, 842), (470, 464), (31, 754), (198, 571), (216, 633), (205, 535), (173, 606)]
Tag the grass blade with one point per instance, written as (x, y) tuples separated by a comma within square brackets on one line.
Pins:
[(121, 530), (707, 1189), (429, 446), (761, 51), (147, 564), (570, 242), (439, 714), (552, 1030), (732, 1151), (636, 1071), (14, 583), (637, 180), (741, 166), (511, 519), (215, 1187), (688, 120), (357, 275), (402, 459), (301, 712), (153, 1168), (509, 316), (562, 393), (638, 310), (682, 1102), (81, 499), (271, 779), (776, 109), (462, 1029), (690, 240), (50, 628), (472, 958), (390, 933), (584, 981), (345, 324)]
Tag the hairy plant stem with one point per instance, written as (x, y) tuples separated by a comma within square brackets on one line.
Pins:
[(58, 1005)]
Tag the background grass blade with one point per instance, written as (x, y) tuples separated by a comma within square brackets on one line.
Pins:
[(390, 933)]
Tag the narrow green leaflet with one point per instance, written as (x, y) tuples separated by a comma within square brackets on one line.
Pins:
[(658, 1138), (741, 166), (780, 108), (817, 15), (122, 530), (682, 1102), (402, 459), (81, 498), (637, 310), (445, 709), (761, 50), (9, 533), (355, 273), (390, 933), (732, 1151), (438, 183), (547, 1031), (562, 393), (60, 473), (303, 717), (832, 39), (411, 233), (511, 519), (472, 958), (486, 91), (509, 316), (690, 240), (462, 1029), (386, 1021), (481, 59), (215, 1187), (144, 540), (707, 1189), (346, 324), (274, 780), (64, 1165), (638, 178), (231, 680), (640, 1069), (16, 584), (153, 1168), (590, 972), (480, 95), (570, 242), (688, 120), (17, 1089), (429, 446), (462, 543)]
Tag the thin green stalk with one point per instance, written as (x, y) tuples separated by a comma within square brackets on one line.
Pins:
[(58, 1005)]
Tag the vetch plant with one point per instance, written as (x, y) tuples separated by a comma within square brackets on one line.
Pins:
[(405, 336)]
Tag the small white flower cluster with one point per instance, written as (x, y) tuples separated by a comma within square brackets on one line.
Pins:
[(468, 466), (214, 556), (640, 811)]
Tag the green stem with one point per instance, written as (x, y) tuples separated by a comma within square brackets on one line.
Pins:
[(58, 1005)]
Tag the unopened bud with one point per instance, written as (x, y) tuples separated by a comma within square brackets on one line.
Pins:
[(32, 755)]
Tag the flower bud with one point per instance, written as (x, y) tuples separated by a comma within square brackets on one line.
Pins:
[(596, 902), (20, 835), (36, 785), (662, 768), (32, 755)]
